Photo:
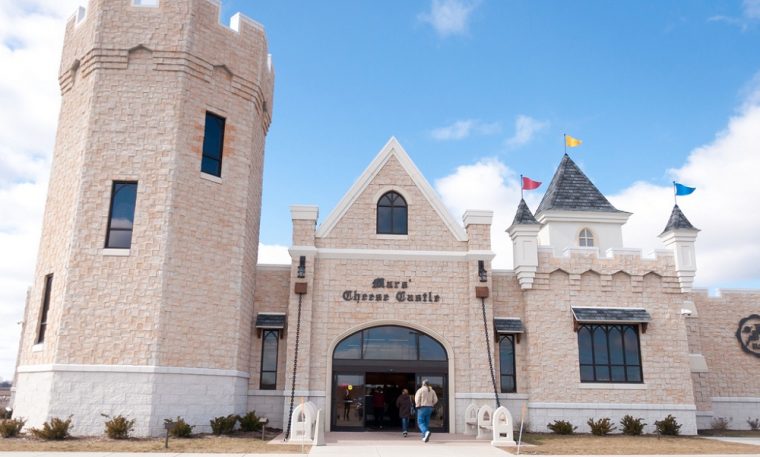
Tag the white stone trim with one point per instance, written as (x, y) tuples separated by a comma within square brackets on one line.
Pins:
[(736, 399), (146, 3), (212, 178), (697, 363), (582, 216), (391, 148), (477, 216), (273, 267), (488, 396), (115, 252), (238, 17), (616, 406), (388, 236), (60, 367), (612, 385), (39, 347), (304, 212)]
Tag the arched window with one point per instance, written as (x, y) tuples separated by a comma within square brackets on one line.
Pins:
[(391, 214), (390, 343), (586, 238)]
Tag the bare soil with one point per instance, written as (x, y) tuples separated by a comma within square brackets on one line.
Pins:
[(621, 444), (239, 443)]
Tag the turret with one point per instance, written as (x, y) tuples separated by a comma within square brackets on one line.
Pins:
[(524, 233), (679, 236)]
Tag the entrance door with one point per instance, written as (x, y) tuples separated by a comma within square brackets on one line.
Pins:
[(373, 366)]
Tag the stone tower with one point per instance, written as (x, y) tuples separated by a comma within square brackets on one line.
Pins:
[(143, 293)]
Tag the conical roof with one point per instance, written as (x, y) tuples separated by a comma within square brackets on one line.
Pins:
[(523, 215), (571, 190), (678, 221)]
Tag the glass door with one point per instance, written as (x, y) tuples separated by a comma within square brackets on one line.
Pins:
[(348, 401), (439, 419)]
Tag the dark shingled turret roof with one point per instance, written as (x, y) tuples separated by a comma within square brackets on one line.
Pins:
[(523, 215), (571, 190), (678, 221)]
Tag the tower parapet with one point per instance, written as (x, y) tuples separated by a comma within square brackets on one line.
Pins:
[(163, 104)]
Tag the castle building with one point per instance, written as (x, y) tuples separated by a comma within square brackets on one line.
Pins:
[(148, 300)]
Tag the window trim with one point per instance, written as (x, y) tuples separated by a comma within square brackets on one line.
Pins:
[(221, 144), (592, 236), (265, 332), (392, 212), (110, 216), (511, 338), (607, 326), (45, 310)]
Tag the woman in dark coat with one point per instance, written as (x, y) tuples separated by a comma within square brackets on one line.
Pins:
[(404, 405)]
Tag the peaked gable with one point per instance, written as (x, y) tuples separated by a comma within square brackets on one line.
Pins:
[(391, 150)]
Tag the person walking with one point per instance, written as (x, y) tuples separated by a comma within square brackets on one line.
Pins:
[(425, 398), (404, 405), (378, 407)]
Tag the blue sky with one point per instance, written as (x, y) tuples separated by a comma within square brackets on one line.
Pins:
[(477, 92)]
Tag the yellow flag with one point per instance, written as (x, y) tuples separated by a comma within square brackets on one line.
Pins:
[(571, 142)]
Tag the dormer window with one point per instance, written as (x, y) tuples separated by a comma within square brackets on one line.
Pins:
[(586, 238), (391, 214)]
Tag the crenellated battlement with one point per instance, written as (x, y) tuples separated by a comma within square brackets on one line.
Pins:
[(184, 36)]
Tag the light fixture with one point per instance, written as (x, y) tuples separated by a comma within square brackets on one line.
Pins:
[(482, 273), (301, 267)]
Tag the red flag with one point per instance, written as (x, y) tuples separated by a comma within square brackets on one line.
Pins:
[(529, 184)]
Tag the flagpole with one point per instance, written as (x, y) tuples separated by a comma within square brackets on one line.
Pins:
[(564, 140), (522, 187), (675, 194)]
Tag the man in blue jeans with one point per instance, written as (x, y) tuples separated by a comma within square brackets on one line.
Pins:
[(425, 399)]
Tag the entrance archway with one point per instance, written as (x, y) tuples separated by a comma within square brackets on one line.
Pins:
[(371, 366)]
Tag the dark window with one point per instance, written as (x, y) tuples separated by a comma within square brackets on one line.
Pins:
[(390, 343), (45, 308), (213, 139), (391, 214), (269, 342), (121, 215), (609, 353), (507, 363)]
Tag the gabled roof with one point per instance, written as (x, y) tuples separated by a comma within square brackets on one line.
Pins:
[(571, 190), (678, 221), (391, 149), (619, 315), (523, 214)]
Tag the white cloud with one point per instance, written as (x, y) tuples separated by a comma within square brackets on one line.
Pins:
[(31, 34), (449, 17), (724, 206), (526, 128), (273, 254), (460, 130), (487, 184), (751, 9)]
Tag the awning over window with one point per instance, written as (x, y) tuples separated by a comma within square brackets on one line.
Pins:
[(507, 325), (270, 320), (611, 315)]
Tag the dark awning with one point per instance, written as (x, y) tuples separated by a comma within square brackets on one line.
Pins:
[(507, 325), (270, 320), (614, 315)]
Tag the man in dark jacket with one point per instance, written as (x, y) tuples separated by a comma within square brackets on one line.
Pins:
[(404, 405)]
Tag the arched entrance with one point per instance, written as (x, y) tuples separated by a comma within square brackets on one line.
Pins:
[(373, 365)]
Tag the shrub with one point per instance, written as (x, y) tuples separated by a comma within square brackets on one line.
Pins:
[(6, 413), (10, 428), (223, 425), (180, 429), (754, 424), (562, 427), (55, 429), (632, 426), (119, 427), (720, 424), (250, 422), (601, 427), (668, 426)]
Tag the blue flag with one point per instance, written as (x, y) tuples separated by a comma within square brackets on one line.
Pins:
[(683, 190)]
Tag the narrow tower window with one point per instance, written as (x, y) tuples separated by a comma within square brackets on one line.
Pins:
[(586, 238), (391, 214), (121, 215), (45, 308), (269, 342), (213, 139), (507, 363)]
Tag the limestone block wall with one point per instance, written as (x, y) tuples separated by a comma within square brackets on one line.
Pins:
[(625, 280), (729, 388), (508, 302)]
